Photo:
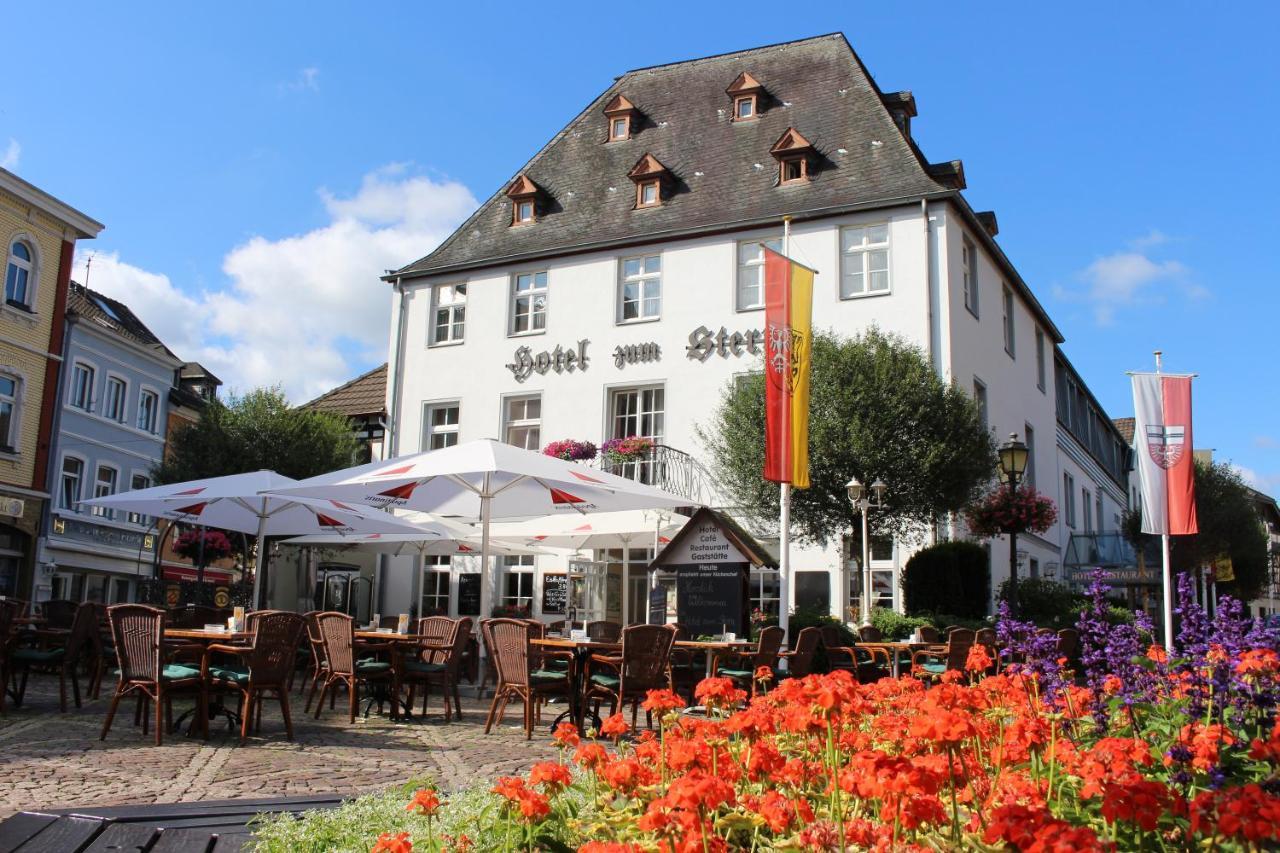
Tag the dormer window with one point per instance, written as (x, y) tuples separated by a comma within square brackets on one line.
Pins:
[(524, 201), (745, 91), (650, 178), (793, 153), (622, 115)]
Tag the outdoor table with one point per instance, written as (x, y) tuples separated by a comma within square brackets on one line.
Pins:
[(893, 647), (397, 643), (713, 646), (206, 639), (582, 650)]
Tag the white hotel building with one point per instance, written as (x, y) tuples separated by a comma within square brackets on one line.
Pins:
[(613, 288)]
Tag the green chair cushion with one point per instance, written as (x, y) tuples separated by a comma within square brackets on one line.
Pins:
[(237, 674), (37, 656), (370, 667), (605, 680), (934, 668), (546, 675), (733, 673), (176, 671), (419, 667)]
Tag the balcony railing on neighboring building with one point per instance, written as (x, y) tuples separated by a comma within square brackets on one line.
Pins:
[(668, 469)]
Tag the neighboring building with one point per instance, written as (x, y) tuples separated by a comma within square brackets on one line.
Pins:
[(109, 434), (614, 287), (1268, 604), (40, 234), (363, 401)]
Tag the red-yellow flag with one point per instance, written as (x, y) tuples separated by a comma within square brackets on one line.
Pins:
[(788, 307)]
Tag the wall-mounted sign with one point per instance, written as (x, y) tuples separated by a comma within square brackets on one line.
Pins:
[(97, 534), (12, 506), (469, 594), (636, 354), (560, 360), (704, 343)]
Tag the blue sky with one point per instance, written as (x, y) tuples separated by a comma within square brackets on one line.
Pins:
[(257, 165)]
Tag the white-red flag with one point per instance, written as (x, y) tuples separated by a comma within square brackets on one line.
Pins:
[(1163, 447)]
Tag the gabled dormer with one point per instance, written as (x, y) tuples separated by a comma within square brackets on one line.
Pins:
[(524, 195), (652, 179), (793, 153), (746, 92), (623, 117)]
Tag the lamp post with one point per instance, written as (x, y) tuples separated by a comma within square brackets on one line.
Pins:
[(1013, 464), (862, 501)]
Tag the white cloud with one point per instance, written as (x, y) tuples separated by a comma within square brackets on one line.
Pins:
[(307, 80), (306, 312), (1130, 277), (1265, 442), (12, 154), (1154, 237)]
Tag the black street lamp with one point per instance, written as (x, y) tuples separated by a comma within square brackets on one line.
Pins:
[(1013, 464)]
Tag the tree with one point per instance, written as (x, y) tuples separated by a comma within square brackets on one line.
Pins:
[(877, 409), (256, 431)]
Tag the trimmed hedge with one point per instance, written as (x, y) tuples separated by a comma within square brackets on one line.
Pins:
[(950, 577)]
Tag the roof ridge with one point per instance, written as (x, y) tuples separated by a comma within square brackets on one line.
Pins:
[(346, 384), (728, 53)]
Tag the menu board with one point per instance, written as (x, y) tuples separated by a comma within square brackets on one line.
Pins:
[(555, 593), (658, 605), (710, 598), (469, 594)]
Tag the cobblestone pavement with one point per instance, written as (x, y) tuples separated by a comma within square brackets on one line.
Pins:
[(52, 760)]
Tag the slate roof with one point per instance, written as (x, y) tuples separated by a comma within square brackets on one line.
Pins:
[(364, 395), (1125, 427), (723, 173), (112, 314)]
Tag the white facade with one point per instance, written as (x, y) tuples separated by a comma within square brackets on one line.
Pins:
[(931, 248)]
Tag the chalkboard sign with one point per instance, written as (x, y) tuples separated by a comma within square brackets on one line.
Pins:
[(710, 598), (469, 594), (658, 605), (555, 593)]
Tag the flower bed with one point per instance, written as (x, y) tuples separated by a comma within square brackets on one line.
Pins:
[(1138, 750)]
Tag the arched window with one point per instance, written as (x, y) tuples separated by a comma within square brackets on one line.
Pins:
[(17, 290)]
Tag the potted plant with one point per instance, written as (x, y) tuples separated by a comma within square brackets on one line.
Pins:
[(1007, 510), (571, 450), (633, 448)]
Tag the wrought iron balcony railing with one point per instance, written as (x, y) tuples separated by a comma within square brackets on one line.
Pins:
[(668, 469)]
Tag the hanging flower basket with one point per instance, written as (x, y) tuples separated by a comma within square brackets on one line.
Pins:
[(216, 545), (630, 449), (571, 450), (1005, 510)]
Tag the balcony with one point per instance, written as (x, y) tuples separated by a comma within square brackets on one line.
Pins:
[(668, 469)]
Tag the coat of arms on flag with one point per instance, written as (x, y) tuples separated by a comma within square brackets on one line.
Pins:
[(788, 297), (1166, 443), (1162, 412)]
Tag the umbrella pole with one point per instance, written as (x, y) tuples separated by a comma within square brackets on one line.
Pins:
[(626, 580), (260, 568), (486, 594)]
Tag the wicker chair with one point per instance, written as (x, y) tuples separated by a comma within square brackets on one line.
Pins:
[(507, 641), (265, 665), (339, 635), (6, 643), (66, 659), (932, 663), (628, 677), (59, 613), (867, 665), (743, 665), (436, 630), (318, 668), (16, 607), (439, 666), (870, 634), (800, 659), (138, 632), (604, 632), (1069, 647), (929, 634), (688, 666)]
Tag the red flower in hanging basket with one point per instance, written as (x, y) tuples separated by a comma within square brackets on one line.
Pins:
[(216, 545), (1007, 510)]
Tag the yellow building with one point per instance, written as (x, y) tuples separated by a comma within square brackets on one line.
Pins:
[(38, 234)]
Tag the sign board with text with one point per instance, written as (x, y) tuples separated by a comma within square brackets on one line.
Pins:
[(469, 594), (555, 593)]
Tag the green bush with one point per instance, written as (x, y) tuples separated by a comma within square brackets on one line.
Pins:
[(951, 576), (895, 626), (1047, 603)]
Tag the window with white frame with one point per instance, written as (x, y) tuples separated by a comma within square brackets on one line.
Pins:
[(1040, 363), (104, 484), (116, 393), (82, 376), (17, 276), (1008, 321), (529, 303), (766, 592), (522, 421), (139, 481), (439, 425), (148, 411), (1069, 500), (980, 397), (448, 313), (517, 582), (864, 260), (435, 586), (640, 296), (750, 293), (9, 386), (1086, 501), (969, 269), (639, 412), (1030, 476), (71, 483)]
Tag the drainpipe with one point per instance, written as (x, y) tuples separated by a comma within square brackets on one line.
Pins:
[(928, 284), (395, 370)]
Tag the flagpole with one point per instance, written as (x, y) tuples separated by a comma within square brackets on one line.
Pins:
[(784, 521), (1166, 572)]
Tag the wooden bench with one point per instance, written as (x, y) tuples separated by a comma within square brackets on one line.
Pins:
[(210, 826)]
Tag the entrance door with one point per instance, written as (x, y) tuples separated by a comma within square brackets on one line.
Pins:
[(587, 591)]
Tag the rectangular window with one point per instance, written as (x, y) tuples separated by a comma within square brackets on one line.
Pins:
[(440, 425), (1008, 321), (969, 266), (435, 586), (1069, 500), (115, 397), (449, 310), (641, 294), (522, 421), (751, 271), (765, 592), (1097, 514), (618, 128), (8, 409), (864, 260), (1086, 501), (529, 303), (1033, 567), (980, 397), (82, 387), (72, 477), (104, 484), (517, 582), (139, 481), (1030, 476), (148, 411), (1040, 369), (640, 412)]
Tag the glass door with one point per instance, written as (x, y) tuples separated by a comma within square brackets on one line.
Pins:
[(587, 591)]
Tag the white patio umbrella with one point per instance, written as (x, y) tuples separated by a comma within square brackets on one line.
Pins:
[(484, 480), (401, 544), (603, 530), (237, 502)]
